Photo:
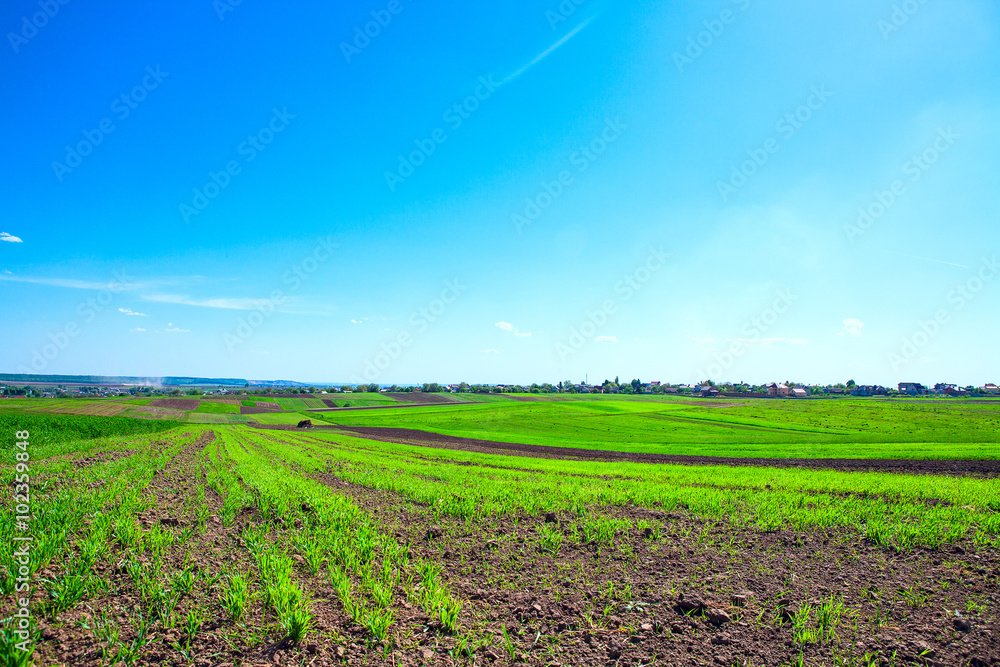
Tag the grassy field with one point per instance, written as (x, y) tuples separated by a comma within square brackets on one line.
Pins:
[(858, 428), (218, 408), (393, 534), (166, 543)]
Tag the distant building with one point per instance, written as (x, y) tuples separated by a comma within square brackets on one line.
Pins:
[(912, 388), (799, 392), (991, 388), (777, 389)]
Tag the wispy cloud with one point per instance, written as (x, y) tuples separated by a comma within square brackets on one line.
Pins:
[(606, 339), (71, 283), (226, 303), (852, 327), (708, 339), (4, 236), (541, 56), (926, 259), (172, 329), (137, 329), (132, 313), (492, 350), (507, 326), (223, 303)]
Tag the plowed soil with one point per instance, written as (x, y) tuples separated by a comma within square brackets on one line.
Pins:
[(176, 403)]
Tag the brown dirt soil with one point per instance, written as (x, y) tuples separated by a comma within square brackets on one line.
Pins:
[(623, 603), (176, 403), (429, 439), (259, 410), (149, 412)]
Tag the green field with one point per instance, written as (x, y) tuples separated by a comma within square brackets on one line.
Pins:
[(843, 428), (218, 408), (211, 528)]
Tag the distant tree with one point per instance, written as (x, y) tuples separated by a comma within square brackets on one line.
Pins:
[(850, 383), (176, 392), (463, 387)]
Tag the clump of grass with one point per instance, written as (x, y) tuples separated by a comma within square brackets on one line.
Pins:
[(234, 596)]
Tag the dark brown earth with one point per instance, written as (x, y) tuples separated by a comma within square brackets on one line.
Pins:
[(625, 603), (176, 403), (429, 439)]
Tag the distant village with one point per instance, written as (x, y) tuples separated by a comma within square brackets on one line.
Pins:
[(707, 389)]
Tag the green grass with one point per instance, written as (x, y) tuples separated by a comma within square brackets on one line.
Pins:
[(891, 510), (49, 432), (282, 418), (858, 428), (218, 408)]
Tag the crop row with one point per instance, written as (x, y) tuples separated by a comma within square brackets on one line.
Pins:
[(897, 511)]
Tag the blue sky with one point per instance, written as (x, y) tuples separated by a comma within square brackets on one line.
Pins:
[(505, 193)]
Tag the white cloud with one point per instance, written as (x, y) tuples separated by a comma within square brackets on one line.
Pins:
[(225, 304), (137, 329), (507, 326), (266, 305), (172, 329), (606, 339), (852, 327), (71, 283), (492, 350), (129, 311), (708, 339), (4, 236)]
